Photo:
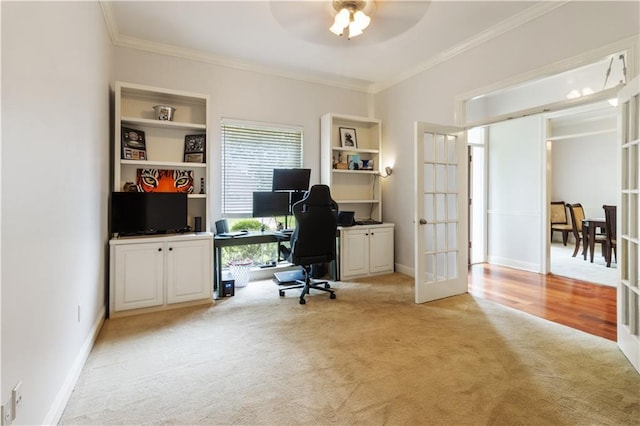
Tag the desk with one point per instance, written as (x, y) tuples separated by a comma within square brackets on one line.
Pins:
[(589, 226), (253, 237)]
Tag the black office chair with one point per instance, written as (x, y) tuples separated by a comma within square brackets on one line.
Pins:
[(314, 238)]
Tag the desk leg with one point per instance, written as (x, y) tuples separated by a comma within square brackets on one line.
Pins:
[(217, 271)]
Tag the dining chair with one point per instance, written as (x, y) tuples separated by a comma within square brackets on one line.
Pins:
[(577, 215), (610, 230), (560, 220)]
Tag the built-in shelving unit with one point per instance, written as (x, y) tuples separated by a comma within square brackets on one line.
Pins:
[(157, 272), (164, 139), (353, 190), (364, 249)]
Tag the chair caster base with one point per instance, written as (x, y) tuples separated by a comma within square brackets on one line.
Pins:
[(333, 296), (302, 301)]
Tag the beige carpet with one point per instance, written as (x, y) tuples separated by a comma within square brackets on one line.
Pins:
[(371, 357)]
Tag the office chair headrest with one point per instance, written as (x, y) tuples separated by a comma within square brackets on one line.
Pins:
[(318, 195)]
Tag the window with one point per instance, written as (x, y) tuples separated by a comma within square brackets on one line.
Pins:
[(250, 152)]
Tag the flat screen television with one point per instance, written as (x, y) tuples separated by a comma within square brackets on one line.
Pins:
[(148, 212), (290, 179), (270, 204)]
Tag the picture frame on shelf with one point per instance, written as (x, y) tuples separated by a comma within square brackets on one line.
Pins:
[(348, 137), (195, 148), (353, 161), (133, 144)]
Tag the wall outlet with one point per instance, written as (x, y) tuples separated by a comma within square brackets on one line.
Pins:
[(16, 397), (7, 412)]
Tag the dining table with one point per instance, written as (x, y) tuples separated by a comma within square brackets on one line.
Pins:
[(589, 226)]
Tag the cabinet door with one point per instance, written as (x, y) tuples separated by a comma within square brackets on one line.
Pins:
[(138, 276), (380, 250), (354, 253), (189, 265)]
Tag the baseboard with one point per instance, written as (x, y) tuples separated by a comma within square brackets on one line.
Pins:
[(407, 270), (60, 403), (516, 264)]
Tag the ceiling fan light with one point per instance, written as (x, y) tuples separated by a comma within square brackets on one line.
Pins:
[(342, 18), (354, 30), (361, 19), (337, 29)]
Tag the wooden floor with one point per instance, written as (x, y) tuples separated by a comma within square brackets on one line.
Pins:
[(581, 305)]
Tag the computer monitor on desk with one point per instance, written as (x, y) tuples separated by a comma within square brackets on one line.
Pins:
[(270, 204), (291, 180), (294, 182)]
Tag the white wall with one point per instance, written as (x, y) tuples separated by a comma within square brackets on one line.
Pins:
[(573, 29), (515, 182), (585, 171), (244, 95), (55, 168)]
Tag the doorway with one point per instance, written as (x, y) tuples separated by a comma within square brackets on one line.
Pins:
[(582, 167), (476, 140)]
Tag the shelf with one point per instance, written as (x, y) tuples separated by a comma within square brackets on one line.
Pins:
[(357, 172), (356, 150), (162, 124), (169, 164)]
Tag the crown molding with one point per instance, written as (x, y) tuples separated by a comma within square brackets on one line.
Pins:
[(505, 26)]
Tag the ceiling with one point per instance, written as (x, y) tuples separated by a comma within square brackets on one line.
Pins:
[(292, 38)]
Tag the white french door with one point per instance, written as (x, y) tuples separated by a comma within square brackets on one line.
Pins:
[(628, 246), (441, 226)]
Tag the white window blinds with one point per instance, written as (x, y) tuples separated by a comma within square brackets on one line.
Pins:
[(250, 152)]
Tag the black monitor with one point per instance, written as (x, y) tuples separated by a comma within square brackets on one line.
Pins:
[(148, 212), (291, 179), (270, 204)]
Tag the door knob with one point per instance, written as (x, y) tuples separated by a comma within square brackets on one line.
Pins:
[(423, 222)]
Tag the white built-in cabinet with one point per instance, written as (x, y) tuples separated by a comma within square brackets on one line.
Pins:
[(157, 272), (366, 250)]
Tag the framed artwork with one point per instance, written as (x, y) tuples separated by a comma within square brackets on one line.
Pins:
[(348, 137), (353, 161), (160, 180), (195, 148), (133, 144)]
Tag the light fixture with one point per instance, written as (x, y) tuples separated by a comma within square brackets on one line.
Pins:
[(388, 170), (350, 15)]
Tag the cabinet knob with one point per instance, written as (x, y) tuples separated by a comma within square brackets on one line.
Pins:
[(170, 248), (423, 222), (159, 249)]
